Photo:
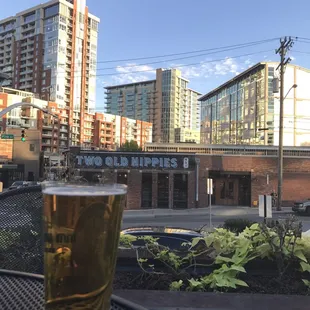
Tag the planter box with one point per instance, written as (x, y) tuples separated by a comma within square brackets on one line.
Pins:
[(215, 301)]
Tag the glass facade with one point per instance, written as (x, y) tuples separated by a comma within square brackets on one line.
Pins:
[(234, 113)]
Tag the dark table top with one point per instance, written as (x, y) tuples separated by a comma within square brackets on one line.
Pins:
[(25, 291)]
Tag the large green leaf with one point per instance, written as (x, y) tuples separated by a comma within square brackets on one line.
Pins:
[(305, 266), (237, 268), (221, 259), (195, 241), (254, 226), (263, 250), (306, 282), (240, 282), (195, 284), (301, 256)]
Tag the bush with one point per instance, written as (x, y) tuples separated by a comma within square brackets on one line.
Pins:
[(237, 225)]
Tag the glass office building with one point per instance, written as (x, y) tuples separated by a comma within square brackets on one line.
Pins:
[(245, 110)]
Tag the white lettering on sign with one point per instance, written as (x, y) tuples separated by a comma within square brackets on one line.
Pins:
[(124, 162), (174, 163), (135, 162), (155, 162), (109, 161), (130, 162), (98, 161), (147, 162), (89, 160)]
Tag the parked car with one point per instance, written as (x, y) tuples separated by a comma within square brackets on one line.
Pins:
[(302, 207), (17, 184), (32, 183), (174, 238)]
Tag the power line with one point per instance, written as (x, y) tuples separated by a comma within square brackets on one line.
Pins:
[(181, 58), (176, 67), (301, 52), (190, 52)]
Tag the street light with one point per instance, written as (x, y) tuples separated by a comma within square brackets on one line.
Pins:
[(19, 104)]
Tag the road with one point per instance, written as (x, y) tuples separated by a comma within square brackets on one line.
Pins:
[(192, 221)]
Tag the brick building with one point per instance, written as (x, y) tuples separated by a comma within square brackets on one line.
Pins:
[(178, 180), (101, 130)]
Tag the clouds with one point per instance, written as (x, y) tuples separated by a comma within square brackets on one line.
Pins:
[(208, 69), (132, 72)]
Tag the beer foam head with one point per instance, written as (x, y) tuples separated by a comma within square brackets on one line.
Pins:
[(84, 190)]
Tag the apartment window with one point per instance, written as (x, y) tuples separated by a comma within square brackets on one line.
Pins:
[(94, 25), (62, 19), (29, 18), (51, 11)]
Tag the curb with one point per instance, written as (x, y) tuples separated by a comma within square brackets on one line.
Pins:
[(169, 215)]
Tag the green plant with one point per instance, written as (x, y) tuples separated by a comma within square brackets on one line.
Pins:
[(230, 253), (126, 241), (237, 225), (221, 241), (282, 240), (176, 285)]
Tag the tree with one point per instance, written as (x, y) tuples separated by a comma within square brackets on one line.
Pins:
[(130, 146)]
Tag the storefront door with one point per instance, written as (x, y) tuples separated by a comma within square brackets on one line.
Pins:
[(227, 191)]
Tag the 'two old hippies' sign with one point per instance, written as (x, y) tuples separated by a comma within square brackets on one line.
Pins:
[(134, 161)]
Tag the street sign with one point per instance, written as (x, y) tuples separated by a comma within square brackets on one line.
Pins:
[(5, 136), (265, 206), (210, 186), (210, 193)]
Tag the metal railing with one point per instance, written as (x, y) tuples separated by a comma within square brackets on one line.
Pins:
[(228, 150)]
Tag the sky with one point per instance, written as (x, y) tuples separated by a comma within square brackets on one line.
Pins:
[(131, 29)]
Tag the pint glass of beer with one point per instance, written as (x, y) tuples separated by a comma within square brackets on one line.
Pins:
[(81, 234)]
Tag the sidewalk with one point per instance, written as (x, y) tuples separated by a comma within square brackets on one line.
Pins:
[(215, 211)]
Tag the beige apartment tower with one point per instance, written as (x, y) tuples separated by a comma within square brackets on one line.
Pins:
[(166, 102), (51, 50)]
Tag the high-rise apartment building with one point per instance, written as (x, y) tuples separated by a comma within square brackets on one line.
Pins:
[(245, 109), (103, 131), (166, 102), (51, 50)]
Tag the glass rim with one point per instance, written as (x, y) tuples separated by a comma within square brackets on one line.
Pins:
[(115, 188)]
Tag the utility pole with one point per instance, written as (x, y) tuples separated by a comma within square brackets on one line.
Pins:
[(286, 44)]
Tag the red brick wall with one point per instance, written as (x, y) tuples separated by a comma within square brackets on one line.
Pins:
[(134, 189), (296, 177), (296, 181), (6, 150)]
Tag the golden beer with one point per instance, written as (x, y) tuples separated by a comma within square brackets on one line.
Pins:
[(82, 226)]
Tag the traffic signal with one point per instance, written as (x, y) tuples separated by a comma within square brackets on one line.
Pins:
[(23, 136)]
